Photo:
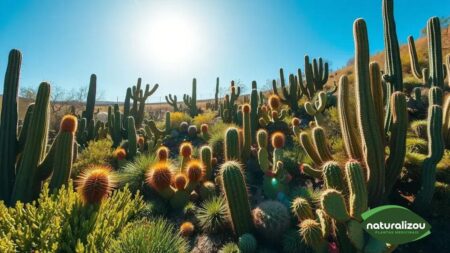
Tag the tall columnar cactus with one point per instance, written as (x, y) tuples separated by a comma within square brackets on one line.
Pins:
[(232, 145), (247, 134), (139, 96), (172, 101), (316, 76), (446, 122), (206, 158), (317, 107), (229, 109), (434, 75), (114, 125), (8, 125), (290, 97), (216, 95), (418, 72), (27, 184), (393, 67), (132, 138), (435, 153), (90, 102), (317, 149), (191, 101), (63, 152), (371, 137), (254, 111), (348, 121), (235, 191)]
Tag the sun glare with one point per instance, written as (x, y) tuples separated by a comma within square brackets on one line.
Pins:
[(169, 39)]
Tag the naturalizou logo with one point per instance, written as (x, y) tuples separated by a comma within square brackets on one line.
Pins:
[(395, 224)]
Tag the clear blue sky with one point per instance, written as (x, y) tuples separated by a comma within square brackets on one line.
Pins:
[(65, 41)]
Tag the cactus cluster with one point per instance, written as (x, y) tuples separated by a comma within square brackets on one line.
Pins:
[(191, 101), (22, 178), (228, 109)]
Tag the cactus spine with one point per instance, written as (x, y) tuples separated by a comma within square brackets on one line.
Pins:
[(235, 191), (8, 125), (191, 101)]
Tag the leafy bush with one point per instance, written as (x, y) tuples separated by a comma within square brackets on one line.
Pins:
[(150, 236), (204, 118), (97, 153), (61, 223), (177, 117)]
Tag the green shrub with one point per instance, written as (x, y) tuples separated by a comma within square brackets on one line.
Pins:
[(61, 223), (97, 153), (150, 236), (204, 118)]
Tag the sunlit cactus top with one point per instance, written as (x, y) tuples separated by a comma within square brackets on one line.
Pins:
[(159, 176), (195, 170), (186, 149), (69, 124), (95, 184), (120, 154), (274, 102)]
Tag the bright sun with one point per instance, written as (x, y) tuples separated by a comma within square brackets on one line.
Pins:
[(169, 39)]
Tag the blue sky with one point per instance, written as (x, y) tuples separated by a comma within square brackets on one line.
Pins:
[(65, 41)]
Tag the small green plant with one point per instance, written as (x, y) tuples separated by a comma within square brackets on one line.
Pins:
[(212, 215), (150, 236)]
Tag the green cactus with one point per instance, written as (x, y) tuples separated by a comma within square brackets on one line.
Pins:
[(90, 102), (9, 144), (302, 209), (114, 125), (371, 138), (393, 76), (63, 153), (191, 101), (247, 132), (311, 232), (435, 153), (139, 96), (348, 121), (235, 191), (132, 138), (254, 112), (206, 158), (27, 184), (357, 189), (263, 155), (247, 243), (232, 147), (446, 122), (316, 76), (216, 95), (317, 108), (271, 220), (172, 101), (229, 109), (290, 97), (332, 176), (434, 75)]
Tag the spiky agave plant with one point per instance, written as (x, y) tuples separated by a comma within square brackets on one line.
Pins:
[(212, 215)]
